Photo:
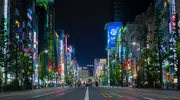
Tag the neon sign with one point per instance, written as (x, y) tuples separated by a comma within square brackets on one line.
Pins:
[(113, 32), (29, 14)]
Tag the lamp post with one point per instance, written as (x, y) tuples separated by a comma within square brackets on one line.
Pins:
[(45, 51), (108, 66), (134, 43)]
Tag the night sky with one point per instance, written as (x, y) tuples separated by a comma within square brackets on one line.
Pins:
[(84, 21)]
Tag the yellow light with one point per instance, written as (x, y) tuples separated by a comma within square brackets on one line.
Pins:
[(34, 57), (165, 4), (57, 36), (71, 62), (17, 23), (36, 42)]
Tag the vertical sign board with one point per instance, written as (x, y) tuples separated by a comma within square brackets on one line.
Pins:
[(50, 36), (172, 40), (113, 32), (50, 64)]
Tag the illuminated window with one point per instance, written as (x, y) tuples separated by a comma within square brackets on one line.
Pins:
[(17, 23), (165, 4)]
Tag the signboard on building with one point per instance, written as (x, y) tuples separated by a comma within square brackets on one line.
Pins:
[(112, 32), (50, 64), (102, 60)]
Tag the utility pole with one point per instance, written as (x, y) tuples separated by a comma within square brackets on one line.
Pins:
[(108, 52)]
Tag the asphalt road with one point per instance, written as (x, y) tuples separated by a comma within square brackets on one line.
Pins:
[(91, 93)]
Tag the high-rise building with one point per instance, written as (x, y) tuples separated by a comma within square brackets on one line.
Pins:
[(42, 13), (116, 11), (100, 66), (51, 35)]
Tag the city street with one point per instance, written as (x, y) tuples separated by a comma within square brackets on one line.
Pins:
[(92, 93)]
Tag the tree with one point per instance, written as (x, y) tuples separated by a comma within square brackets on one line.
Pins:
[(111, 68), (158, 41), (153, 71), (139, 78), (104, 77), (27, 71), (3, 46), (15, 54), (122, 74), (117, 73), (178, 57), (42, 70), (15, 59)]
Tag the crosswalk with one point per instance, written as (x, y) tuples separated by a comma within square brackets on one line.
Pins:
[(110, 95)]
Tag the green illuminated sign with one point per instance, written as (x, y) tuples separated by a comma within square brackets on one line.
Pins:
[(42, 3)]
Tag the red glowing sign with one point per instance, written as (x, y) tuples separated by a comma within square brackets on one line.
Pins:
[(50, 64), (60, 69), (128, 64), (173, 23)]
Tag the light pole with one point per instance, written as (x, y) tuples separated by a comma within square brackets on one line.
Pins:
[(108, 66), (45, 51), (134, 43)]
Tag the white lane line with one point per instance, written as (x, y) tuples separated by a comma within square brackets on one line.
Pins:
[(148, 98), (45, 94), (87, 94), (117, 91), (48, 94)]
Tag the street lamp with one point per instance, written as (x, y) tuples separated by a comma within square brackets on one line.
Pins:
[(134, 43), (45, 51)]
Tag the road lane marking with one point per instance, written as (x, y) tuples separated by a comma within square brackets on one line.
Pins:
[(41, 95), (117, 91), (45, 94), (87, 94), (148, 98), (161, 96), (106, 95), (121, 96)]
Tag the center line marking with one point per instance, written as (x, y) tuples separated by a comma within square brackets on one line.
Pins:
[(87, 94), (117, 91), (148, 98)]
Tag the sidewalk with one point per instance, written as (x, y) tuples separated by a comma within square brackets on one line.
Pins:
[(25, 91)]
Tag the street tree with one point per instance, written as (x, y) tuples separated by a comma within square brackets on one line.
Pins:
[(117, 73), (178, 58), (158, 35), (111, 68), (3, 47)]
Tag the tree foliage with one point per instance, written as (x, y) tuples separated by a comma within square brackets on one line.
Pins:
[(117, 73), (112, 73)]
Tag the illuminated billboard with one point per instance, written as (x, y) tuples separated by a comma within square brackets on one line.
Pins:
[(112, 33), (60, 34)]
